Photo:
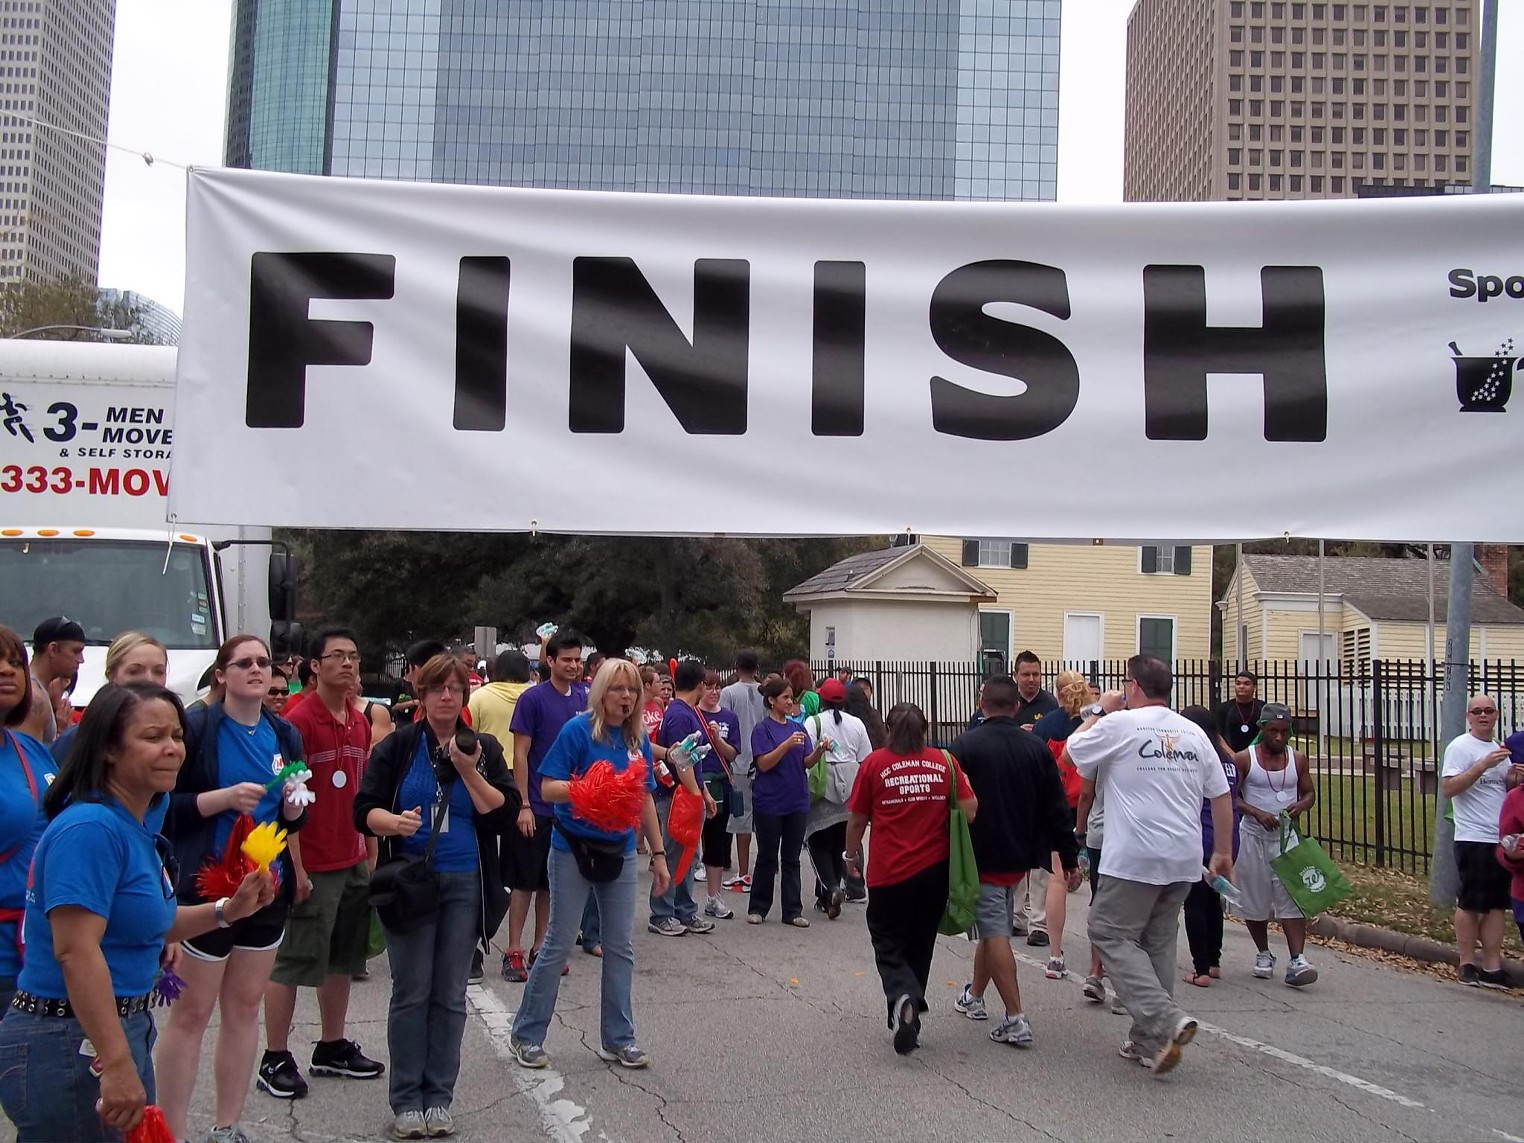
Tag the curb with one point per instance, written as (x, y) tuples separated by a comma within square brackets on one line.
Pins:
[(1403, 944)]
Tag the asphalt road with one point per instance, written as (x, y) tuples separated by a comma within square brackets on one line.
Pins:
[(775, 1034)]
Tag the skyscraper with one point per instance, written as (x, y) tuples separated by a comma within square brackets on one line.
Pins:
[(56, 56), (830, 98), (1264, 99)]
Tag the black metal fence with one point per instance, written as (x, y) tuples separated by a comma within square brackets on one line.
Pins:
[(1369, 727)]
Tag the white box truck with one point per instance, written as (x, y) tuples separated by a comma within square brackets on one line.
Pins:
[(85, 436)]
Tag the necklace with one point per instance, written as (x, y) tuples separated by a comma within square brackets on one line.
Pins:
[(1270, 781), (1244, 718)]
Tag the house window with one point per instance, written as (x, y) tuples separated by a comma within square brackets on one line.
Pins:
[(1165, 559), (994, 554), (995, 637), (1156, 637), (1355, 647)]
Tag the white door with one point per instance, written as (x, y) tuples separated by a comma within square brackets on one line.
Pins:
[(1082, 637), (1316, 669)]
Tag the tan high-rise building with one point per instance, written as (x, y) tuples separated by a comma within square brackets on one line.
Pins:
[(55, 67), (1265, 99)]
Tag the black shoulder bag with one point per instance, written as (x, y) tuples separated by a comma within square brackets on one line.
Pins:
[(405, 891)]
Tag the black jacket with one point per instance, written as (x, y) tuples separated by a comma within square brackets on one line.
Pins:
[(1023, 814), (379, 789), (190, 834)]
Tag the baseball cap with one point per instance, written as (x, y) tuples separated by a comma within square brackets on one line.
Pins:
[(832, 690), (1515, 744), (1275, 712), (58, 629)]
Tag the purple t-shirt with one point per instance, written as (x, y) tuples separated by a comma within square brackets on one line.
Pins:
[(727, 728), (540, 713), (784, 789), (679, 721)]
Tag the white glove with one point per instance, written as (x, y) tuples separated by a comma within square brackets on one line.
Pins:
[(296, 791)]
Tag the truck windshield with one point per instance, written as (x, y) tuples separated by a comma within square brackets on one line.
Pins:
[(108, 587)]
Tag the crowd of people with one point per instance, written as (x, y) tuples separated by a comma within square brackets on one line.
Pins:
[(434, 829)]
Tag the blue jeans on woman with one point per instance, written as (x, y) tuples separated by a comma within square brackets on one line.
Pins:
[(427, 1017), (47, 1088), (678, 900), (569, 891)]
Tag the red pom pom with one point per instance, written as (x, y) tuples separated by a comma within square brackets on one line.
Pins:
[(217, 879), (609, 801)]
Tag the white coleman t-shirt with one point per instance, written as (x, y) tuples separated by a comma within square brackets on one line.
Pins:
[(1477, 808), (1157, 766)]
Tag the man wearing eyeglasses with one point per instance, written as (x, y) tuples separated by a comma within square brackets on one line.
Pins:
[(1474, 778)]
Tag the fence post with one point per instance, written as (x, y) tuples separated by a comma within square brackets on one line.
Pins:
[(935, 715), (1378, 732)]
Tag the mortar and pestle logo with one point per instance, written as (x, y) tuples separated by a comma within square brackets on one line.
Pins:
[(1484, 384)]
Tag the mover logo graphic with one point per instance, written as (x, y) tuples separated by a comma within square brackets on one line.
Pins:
[(1484, 384)]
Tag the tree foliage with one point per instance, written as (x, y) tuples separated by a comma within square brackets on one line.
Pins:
[(33, 304)]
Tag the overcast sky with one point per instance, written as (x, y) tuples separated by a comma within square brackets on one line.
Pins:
[(169, 91)]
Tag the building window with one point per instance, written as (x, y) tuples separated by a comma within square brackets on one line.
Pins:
[(1356, 648), (1165, 559), (995, 637), (998, 553), (1156, 637)]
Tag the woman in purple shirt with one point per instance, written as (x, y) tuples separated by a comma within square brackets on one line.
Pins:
[(780, 794)]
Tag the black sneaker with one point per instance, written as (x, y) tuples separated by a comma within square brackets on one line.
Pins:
[(344, 1058), (280, 1077), (1493, 978), (1469, 975), (906, 1026), (1037, 939), (478, 970)]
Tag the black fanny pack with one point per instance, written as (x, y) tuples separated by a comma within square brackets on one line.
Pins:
[(405, 890), (597, 861)]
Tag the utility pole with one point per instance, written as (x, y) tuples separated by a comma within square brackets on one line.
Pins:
[(1444, 882)]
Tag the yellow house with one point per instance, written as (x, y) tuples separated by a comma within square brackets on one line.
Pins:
[(1373, 608), (1075, 602)]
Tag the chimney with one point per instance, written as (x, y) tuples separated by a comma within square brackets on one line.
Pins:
[(1494, 561)]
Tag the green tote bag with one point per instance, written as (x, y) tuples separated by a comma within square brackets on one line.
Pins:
[(962, 871), (1309, 875)]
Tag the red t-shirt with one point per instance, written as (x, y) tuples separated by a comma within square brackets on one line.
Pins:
[(907, 800), (336, 754), (1511, 820)]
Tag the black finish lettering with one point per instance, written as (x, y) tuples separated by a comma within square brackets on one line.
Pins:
[(283, 340), (841, 309), (481, 344), (703, 382), (968, 335), (1180, 349)]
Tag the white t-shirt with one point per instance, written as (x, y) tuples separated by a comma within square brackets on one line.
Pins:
[(1477, 808), (1157, 767), (849, 739)]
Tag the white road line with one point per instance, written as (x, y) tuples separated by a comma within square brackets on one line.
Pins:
[(564, 1121)]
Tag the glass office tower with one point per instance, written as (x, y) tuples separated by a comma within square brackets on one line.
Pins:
[(943, 99)]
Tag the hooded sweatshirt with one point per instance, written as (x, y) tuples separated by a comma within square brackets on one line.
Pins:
[(491, 710)]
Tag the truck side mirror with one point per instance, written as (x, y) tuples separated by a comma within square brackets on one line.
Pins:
[(283, 580)]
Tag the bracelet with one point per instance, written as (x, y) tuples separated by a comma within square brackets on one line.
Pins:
[(219, 913), (661, 853)]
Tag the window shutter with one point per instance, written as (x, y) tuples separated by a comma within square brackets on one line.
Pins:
[(1018, 555), (1183, 560), (970, 553), (1150, 560)]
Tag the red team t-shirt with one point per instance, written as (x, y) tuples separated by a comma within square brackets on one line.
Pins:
[(907, 800), (336, 754)]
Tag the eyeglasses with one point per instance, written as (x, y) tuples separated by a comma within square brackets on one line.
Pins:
[(1482, 710), (341, 657), (245, 663), (448, 689)]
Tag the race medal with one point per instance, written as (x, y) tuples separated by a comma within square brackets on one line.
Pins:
[(340, 779), (1244, 728)]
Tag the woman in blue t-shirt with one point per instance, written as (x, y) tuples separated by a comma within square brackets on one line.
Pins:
[(26, 770), (235, 749), (418, 779), (780, 796), (610, 730), (99, 911)]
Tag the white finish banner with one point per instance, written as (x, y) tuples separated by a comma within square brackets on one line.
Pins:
[(369, 354)]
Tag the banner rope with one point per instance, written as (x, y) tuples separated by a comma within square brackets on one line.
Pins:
[(149, 159)]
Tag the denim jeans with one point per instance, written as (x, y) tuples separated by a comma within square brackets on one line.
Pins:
[(46, 1086), (677, 901), (569, 892), (780, 837), (427, 1016)]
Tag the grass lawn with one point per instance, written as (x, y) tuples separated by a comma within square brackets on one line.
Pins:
[(1346, 813), (1400, 901)]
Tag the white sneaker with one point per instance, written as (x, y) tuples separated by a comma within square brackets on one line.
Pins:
[(732, 883), (970, 1005), (1014, 1030), (1264, 964), (714, 907), (701, 875), (1299, 973)]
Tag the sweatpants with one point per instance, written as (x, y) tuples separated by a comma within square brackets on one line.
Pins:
[(902, 921), (1134, 927)]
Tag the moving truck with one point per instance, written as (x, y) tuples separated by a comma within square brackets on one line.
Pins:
[(86, 431)]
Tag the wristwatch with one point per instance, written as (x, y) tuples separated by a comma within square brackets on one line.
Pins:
[(851, 857), (1092, 710), (218, 911)]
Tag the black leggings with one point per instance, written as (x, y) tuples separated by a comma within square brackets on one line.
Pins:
[(903, 920), (1203, 926), (779, 838), (826, 846)]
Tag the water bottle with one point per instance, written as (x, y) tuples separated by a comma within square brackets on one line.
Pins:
[(546, 630), (1510, 843), (1084, 863), (1225, 888), (689, 752)]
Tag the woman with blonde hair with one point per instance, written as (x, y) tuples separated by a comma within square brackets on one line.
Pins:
[(133, 657), (1073, 693)]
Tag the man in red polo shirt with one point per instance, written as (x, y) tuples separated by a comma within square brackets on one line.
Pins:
[(326, 937)]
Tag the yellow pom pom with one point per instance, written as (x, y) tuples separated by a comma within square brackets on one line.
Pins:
[(264, 844)]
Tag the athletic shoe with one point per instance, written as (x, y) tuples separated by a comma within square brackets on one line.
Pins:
[(1095, 989), (714, 907), (1299, 973), (856, 898), (734, 884), (1117, 1007), (534, 955), (477, 973), (906, 1026), (1168, 1057), (1014, 1030), (701, 876), (833, 909), (626, 1057), (746, 883), (439, 1121), (667, 927), (280, 1077), (232, 1134), (1264, 964), (1494, 978), (344, 1058), (410, 1125), (970, 1005), (753, 918), (528, 1055), (1055, 969), (513, 966), (1131, 1051), (799, 922), (697, 924), (1469, 975), (1037, 939)]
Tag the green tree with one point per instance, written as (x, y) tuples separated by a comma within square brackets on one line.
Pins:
[(37, 303)]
